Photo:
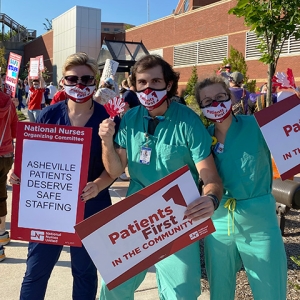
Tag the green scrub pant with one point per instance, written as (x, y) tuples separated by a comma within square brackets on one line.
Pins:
[(254, 241), (178, 278)]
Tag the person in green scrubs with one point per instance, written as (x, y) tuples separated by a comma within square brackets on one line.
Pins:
[(155, 139), (247, 231)]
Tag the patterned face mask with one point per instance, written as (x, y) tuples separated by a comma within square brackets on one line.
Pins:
[(218, 111), (152, 98), (79, 93)]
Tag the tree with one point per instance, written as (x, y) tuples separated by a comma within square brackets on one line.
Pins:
[(274, 22), (190, 87), (48, 24), (238, 63), (3, 61)]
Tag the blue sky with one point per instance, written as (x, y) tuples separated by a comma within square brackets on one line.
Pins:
[(33, 13)]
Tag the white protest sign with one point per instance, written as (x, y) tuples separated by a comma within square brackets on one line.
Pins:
[(34, 68), (110, 68), (144, 228), (280, 126), (52, 163)]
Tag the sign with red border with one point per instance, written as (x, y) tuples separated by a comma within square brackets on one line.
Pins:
[(12, 74), (144, 228), (280, 126), (52, 164)]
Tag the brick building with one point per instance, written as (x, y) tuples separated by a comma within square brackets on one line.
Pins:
[(199, 32)]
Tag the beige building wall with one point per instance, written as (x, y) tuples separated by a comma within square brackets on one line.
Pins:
[(78, 29)]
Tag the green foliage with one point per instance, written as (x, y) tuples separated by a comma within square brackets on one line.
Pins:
[(3, 61), (251, 86), (237, 62), (273, 21), (190, 87), (21, 116)]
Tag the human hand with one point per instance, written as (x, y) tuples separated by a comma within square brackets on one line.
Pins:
[(107, 130), (201, 208), (13, 178), (90, 191), (15, 101)]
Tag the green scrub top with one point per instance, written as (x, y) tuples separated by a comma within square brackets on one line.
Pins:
[(181, 139), (245, 164)]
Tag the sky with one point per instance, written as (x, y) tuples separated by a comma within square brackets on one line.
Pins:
[(33, 13)]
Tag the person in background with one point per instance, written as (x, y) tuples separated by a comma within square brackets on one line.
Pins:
[(20, 93), (8, 132), (46, 98), (35, 97), (3, 78), (26, 87), (247, 231), (173, 136), (129, 96), (78, 110), (105, 92), (52, 91), (239, 93), (60, 95)]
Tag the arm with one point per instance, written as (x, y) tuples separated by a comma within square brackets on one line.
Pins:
[(92, 189), (114, 160), (42, 81), (204, 206)]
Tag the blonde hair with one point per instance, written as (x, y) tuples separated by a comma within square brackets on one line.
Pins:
[(80, 59), (129, 81)]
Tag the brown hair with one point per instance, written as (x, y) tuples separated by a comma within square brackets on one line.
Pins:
[(210, 81), (150, 61)]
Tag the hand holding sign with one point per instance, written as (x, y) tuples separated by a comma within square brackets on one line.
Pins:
[(114, 106), (284, 81)]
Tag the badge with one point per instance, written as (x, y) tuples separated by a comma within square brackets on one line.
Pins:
[(145, 155), (218, 148)]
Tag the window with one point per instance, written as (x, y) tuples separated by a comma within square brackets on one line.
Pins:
[(116, 29), (202, 52), (186, 5), (106, 29), (290, 46)]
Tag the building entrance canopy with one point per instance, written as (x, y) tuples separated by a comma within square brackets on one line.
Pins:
[(125, 53)]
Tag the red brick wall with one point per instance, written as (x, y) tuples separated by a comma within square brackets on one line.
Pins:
[(210, 22), (43, 45)]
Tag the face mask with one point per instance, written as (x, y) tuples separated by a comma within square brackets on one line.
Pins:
[(79, 93), (35, 86), (151, 98), (218, 111)]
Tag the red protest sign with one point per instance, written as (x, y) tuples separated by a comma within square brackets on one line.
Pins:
[(52, 163), (143, 229), (280, 127), (12, 74)]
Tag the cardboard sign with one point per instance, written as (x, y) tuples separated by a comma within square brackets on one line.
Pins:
[(144, 228), (110, 68), (34, 68), (52, 163), (280, 126), (41, 62), (12, 73)]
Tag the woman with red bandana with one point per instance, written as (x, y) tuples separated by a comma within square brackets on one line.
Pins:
[(247, 231), (78, 109)]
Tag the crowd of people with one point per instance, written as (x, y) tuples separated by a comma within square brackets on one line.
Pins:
[(233, 174)]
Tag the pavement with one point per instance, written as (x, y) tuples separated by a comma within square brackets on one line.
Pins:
[(12, 269)]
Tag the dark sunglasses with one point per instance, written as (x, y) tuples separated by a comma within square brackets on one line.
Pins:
[(85, 79)]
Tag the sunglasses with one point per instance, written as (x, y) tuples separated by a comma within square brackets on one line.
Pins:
[(85, 79)]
